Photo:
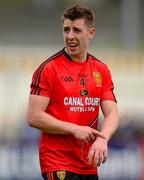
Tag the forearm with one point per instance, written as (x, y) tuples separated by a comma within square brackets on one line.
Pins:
[(110, 125), (38, 118), (49, 124)]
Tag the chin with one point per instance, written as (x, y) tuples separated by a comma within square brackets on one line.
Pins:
[(73, 52)]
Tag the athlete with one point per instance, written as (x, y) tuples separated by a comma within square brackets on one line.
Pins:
[(67, 91)]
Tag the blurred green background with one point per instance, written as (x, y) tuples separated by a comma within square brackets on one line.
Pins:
[(30, 32)]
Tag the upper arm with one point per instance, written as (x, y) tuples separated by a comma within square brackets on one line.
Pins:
[(43, 80), (37, 104), (108, 87), (109, 107)]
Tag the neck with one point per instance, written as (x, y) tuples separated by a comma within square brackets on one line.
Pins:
[(81, 57)]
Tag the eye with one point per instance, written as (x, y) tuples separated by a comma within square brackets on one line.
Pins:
[(66, 29), (77, 30)]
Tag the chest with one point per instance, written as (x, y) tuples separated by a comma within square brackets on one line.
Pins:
[(79, 81)]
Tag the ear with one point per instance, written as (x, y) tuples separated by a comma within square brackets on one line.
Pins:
[(92, 32)]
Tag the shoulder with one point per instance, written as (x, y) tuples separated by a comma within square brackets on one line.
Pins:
[(99, 63), (49, 62), (48, 66)]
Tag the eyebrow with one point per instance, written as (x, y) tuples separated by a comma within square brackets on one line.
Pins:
[(64, 27)]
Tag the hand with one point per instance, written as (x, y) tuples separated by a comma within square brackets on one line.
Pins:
[(98, 152), (86, 134)]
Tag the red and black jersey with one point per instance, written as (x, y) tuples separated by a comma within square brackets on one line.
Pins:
[(76, 91)]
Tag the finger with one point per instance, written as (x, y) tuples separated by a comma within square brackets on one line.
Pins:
[(92, 137), (96, 159), (105, 156), (100, 159), (87, 139), (97, 133), (90, 155)]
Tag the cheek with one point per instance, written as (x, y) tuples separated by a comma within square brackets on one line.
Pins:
[(64, 38), (84, 41)]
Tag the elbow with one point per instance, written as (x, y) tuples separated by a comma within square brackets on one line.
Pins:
[(31, 120)]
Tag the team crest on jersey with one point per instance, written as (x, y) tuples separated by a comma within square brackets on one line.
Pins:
[(97, 78), (61, 174)]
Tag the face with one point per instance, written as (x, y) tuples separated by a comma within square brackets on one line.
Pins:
[(76, 37)]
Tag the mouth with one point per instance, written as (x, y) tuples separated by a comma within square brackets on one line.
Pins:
[(72, 45)]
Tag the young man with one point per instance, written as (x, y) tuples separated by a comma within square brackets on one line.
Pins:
[(66, 92)]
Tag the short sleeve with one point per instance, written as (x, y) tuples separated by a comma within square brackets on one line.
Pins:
[(42, 81), (108, 87)]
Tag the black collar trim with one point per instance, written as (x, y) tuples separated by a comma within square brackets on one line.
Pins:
[(66, 55), (69, 58)]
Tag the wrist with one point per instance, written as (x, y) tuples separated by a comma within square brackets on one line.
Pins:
[(106, 139), (71, 128)]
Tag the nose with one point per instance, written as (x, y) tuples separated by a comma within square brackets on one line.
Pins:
[(71, 35)]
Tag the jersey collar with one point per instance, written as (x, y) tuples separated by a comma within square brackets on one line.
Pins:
[(69, 58)]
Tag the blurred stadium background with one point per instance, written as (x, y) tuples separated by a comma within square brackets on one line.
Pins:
[(30, 31)]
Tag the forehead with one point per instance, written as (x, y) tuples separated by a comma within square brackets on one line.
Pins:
[(75, 23)]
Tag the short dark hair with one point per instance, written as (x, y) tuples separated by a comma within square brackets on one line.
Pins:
[(79, 12)]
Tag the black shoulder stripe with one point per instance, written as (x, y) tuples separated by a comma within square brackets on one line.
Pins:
[(94, 58), (35, 83), (37, 79), (39, 70)]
